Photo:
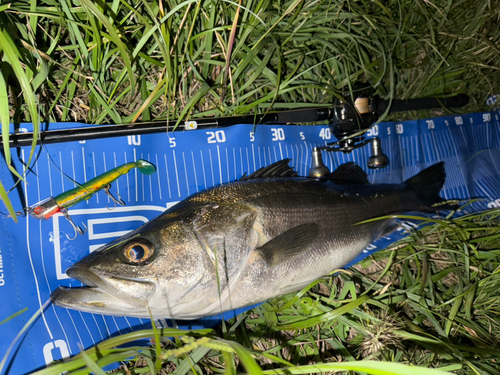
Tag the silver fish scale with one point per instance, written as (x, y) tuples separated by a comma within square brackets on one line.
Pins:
[(238, 244), (282, 205)]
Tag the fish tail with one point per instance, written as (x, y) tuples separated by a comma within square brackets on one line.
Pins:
[(427, 184)]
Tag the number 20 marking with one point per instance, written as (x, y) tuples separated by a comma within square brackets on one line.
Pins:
[(216, 137)]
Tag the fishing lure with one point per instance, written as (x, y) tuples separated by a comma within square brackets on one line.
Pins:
[(50, 206)]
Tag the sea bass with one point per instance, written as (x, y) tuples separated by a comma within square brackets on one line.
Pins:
[(244, 242)]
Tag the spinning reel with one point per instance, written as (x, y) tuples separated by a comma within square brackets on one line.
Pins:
[(352, 116)]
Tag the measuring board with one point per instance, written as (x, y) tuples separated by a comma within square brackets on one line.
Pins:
[(35, 254)]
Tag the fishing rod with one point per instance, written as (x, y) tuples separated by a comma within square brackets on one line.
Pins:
[(108, 131), (349, 117)]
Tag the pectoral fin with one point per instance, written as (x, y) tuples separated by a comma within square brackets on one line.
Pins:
[(289, 244)]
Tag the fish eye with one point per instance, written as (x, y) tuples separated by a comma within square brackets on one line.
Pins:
[(38, 210), (138, 251)]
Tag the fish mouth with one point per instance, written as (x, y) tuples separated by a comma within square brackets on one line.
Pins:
[(104, 293)]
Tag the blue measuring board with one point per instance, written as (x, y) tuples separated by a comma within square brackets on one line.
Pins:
[(35, 254)]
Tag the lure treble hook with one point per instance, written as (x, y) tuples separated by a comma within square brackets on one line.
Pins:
[(77, 229), (50, 206), (115, 200)]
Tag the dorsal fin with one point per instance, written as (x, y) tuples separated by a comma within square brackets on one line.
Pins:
[(278, 169), (349, 173)]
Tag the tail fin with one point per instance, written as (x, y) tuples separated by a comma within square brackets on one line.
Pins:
[(427, 184)]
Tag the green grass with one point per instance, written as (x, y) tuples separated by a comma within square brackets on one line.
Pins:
[(435, 304), (431, 301), (125, 61)]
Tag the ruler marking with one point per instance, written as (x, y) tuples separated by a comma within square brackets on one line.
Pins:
[(458, 164), (248, 163), (73, 166), (104, 161), (116, 324), (61, 170), (106, 325), (298, 159), (50, 176), (488, 135), (185, 172), (211, 166), (176, 174), (253, 155), (301, 159), (84, 169), (203, 168), (158, 175), (168, 178), (131, 329), (460, 185), (264, 152), (281, 151), (74, 325), (436, 148), (150, 181), (128, 180), (95, 174), (97, 325), (234, 160), (142, 183), (227, 163), (136, 184), (260, 158), (307, 158), (220, 166), (414, 168), (241, 160), (86, 326), (401, 153), (194, 170), (117, 180), (331, 160)]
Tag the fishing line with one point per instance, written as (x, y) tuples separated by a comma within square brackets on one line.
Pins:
[(467, 163), (22, 212), (61, 171)]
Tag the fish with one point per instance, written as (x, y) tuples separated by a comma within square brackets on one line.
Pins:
[(245, 242)]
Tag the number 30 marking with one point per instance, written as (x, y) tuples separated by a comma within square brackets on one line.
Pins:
[(278, 134)]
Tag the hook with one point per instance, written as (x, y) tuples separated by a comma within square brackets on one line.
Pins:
[(77, 229), (18, 213), (22, 212), (115, 201)]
